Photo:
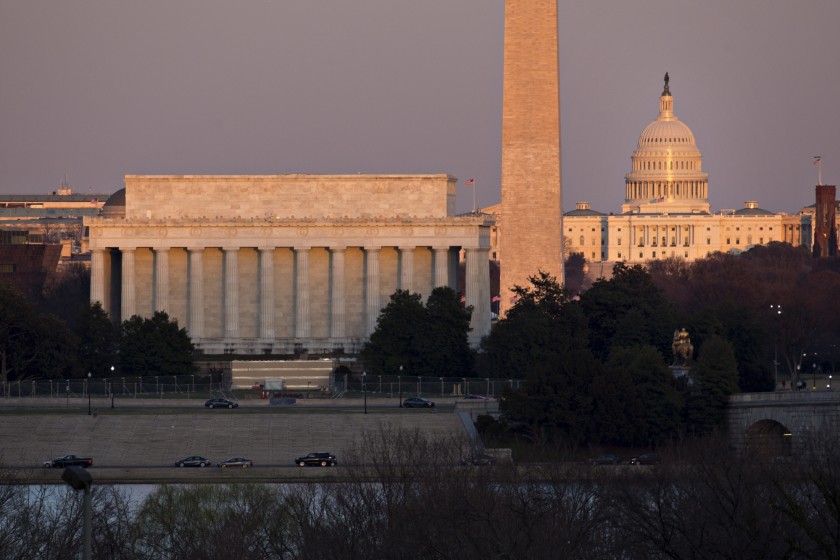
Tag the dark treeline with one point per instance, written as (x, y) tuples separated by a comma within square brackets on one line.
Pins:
[(702, 502), (59, 335)]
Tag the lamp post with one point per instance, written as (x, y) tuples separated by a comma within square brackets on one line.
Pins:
[(829, 382), (364, 389), (399, 385), (88, 392), (778, 309)]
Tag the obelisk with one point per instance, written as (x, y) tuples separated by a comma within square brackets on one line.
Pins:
[(532, 238)]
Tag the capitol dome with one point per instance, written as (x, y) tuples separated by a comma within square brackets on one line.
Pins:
[(667, 174)]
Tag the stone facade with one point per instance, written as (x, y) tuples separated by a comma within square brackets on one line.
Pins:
[(283, 263), (531, 193)]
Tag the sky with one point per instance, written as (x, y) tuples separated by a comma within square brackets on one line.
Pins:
[(98, 89)]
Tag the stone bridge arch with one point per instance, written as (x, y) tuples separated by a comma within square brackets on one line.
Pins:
[(781, 423)]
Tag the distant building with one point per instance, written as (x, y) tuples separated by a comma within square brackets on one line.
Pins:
[(259, 264), (666, 211), (57, 217), (25, 262)]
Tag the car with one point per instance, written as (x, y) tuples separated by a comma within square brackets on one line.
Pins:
[(236, 462), (476, 398), (605, 459), (418, 402), (68, 461), (221, 403), (482, 460), (193, 461), (319, 459), (645, 459)]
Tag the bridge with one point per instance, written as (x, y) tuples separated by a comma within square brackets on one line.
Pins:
[(781, 422)]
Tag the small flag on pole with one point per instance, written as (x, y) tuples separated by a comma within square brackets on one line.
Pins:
[(817, 159), (470, 181)]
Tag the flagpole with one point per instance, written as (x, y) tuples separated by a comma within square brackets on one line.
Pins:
[(474, 206)]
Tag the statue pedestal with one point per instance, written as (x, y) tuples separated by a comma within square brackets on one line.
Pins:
[(680, 372)]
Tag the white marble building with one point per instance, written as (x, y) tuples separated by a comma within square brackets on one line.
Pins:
[(283, 263)]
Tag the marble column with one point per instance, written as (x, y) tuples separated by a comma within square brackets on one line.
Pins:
[(265, 299), (441, 265), (97, 277), (372, 304), (338, 294), (230, 295), (195, 299), (478, 293), (302, 312), (128, 307), (161, 280), (407, 268)]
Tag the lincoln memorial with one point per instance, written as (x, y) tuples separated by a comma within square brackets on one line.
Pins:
[(283, 263)]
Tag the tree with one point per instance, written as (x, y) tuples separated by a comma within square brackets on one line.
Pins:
[(544, 321), (443, 342), (155, 346), (650, 405), (715, 377), (99, 340), (628, 309), (428, 340)]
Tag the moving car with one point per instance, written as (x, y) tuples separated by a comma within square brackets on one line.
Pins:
[(236, 462), (418, 402), (193, 461), (68, 461), (645, 459), (482, 460), (221, 403), (322, 459), (605, 459)]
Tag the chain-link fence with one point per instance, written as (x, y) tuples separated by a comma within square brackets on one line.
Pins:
[(187, 386)]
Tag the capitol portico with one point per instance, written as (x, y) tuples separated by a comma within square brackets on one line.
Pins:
[(283, 263)]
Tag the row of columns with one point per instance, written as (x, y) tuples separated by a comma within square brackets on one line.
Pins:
[(646, 234), (477, 287)]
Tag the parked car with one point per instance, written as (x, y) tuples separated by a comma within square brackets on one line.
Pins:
[(476, 398), (68, 461), (320, 459), (236, 462), (482, 460), (221, 403), (418, 402), (605, 459), (193, 461), (645, 459)]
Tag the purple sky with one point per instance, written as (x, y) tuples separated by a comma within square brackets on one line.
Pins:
[(102, 88)]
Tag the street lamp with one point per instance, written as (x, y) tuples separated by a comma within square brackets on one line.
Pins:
[(778, 309), (364, 389), (399, 385), (88, 392)]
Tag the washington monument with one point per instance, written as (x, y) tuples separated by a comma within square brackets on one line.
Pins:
[(532, 212)]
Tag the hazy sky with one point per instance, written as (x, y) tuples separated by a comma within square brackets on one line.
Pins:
[(99, 89)]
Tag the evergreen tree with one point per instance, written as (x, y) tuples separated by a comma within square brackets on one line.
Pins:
[(428, 340), (155, 346), (99, 341), (715, 377)]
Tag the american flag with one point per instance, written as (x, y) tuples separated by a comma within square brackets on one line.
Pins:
[(817, 159), (470, 181)]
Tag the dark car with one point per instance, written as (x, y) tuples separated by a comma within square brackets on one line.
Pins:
[(645, 459), (605, 459), (68, 461), (237, 462), (418, 402), (317, 460), (194, 461), (482, 460), (221, 403)]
